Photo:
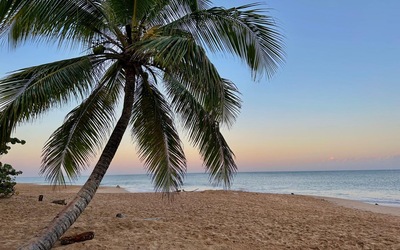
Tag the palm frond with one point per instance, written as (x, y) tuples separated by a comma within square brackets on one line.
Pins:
[(188, 62), (29, 92), (61, 20), (6, 7), (244, 31), (204, 133), (231, 103), (168, 11), (7, 10), (83, 132), (158, 142), (124, 9), (196, 5)]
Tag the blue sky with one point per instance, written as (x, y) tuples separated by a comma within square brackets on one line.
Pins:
[(334, 104)]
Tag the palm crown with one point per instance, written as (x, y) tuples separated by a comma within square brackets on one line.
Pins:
[(150, 57)]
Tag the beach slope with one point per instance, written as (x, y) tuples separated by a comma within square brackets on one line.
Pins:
[(200, 220)]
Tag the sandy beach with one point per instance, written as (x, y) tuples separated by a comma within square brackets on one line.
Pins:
[(204, 220)]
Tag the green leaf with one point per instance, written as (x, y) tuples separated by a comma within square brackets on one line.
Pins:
[(159, 144), (181, 56), (204, 133), (29, 92), (60, 20), (84, 131), (243, 31)]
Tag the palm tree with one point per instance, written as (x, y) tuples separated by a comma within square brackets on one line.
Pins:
[(146, 61)]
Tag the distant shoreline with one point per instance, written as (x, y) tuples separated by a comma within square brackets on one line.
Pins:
[(367, 186), (247, 172)]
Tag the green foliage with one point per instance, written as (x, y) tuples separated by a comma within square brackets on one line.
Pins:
[(7, 172), (7, 180), (4, 148)]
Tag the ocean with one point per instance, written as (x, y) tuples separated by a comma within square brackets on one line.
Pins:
[(370, 186)]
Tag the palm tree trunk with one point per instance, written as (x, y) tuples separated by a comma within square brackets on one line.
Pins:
[(64, 219)]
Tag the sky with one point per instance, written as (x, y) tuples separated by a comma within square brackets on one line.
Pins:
[(333, 105)]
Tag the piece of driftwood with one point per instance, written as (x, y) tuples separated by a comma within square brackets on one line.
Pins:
[(77, 238), (60, 202), (183, 190)]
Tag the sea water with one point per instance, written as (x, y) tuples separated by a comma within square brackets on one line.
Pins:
[(370, 186)]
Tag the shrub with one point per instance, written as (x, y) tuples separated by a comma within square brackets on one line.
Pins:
[(7, 180), (7, 172)]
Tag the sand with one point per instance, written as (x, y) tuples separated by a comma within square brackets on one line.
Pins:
[(204, 220)]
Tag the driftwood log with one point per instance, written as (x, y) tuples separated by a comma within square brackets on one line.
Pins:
[(77, 238), (60, 202)]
